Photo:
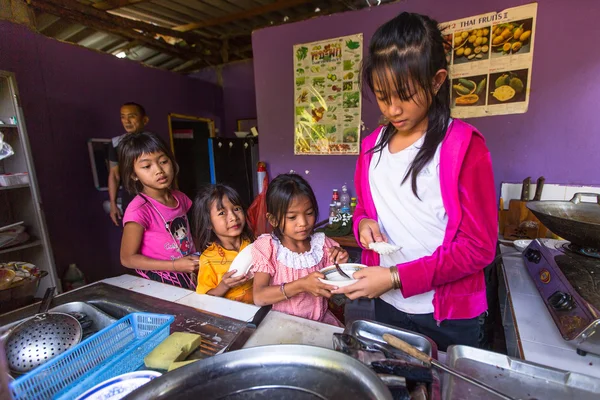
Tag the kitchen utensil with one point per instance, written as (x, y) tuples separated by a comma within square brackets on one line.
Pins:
[(334, 278), (383, 248), (341, 271), (519, 378), (522, 244), (575, 220), (501, 216), (242, 262), (5, 378), (427, 360), (542, 230), (120, 386), (250, 328), (281, 371), (6, 277), (118, 349), (38, 339)]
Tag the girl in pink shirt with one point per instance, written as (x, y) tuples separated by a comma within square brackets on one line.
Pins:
[(157, 240), (424, 183), (286, 262)]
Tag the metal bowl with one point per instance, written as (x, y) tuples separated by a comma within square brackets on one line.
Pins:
[(291, 372)]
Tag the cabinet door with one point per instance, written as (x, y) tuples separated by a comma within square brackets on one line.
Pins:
[(191, 152), (234, 165)]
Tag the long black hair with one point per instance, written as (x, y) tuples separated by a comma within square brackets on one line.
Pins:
[(132, 147), (411, 47), (280, 193), (209, 195)]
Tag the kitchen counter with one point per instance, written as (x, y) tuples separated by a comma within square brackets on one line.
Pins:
[(276, 328), (537, 337)]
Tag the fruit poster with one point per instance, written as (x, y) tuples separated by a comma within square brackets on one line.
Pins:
[(490, 58), (327, 97)]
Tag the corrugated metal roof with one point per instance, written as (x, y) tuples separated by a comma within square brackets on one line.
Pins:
[(177, 35)]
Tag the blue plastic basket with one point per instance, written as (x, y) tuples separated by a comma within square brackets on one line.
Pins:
[(115, 350)]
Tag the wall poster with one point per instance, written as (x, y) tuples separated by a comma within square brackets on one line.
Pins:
[(490, 57), (327, 96)]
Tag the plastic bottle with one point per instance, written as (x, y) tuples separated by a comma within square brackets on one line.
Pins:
[(73, 278), (260, 175), (352, 205), (335, 197), (345, 200), (332, 213)]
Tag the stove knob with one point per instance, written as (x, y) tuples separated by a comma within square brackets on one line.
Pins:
[(561, 301), (533, 255)]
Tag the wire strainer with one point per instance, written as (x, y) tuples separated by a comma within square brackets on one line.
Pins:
[(37, 340)]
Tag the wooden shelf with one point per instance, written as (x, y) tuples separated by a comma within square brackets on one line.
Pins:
[(25, 185), (21, 247)]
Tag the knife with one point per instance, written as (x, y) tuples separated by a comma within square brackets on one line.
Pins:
[(525, 189), (250, 328), (538, 188)]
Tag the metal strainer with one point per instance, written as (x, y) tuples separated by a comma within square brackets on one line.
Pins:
[(37, 340)]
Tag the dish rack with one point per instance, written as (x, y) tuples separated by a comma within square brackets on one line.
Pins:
[(115, 350)]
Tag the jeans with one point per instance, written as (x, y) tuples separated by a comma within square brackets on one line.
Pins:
[(450, 331)]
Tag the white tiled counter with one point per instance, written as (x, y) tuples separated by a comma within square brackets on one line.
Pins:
[(537, 336), (276, 328)]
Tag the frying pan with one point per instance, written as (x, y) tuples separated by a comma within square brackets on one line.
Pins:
[(575, 220)]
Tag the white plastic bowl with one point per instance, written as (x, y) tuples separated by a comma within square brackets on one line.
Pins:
[(333, 277), (241, 135), (522, 244)]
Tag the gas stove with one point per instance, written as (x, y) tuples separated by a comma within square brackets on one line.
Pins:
[(568, 279)]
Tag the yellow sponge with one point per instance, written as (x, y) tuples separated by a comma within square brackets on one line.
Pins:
[(178, 364), (174, 348)]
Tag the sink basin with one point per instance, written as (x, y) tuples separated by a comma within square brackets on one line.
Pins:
[(100, 319), (111, 303)]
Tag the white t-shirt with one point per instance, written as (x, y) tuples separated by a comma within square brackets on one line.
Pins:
[(418, 226)]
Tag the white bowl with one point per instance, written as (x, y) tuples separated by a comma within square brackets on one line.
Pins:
[(241, 135), (522, 244), (333, 277), (242, 262), (119, 386)]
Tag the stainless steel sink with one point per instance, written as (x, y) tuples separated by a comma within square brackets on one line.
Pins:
[(217, 331), (100, 319)]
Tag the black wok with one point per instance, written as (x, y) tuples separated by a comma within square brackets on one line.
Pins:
[(574, 220)]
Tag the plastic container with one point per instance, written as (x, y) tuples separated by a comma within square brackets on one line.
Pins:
[(115, 350), (345, 200), (20, 178), (73, 278)]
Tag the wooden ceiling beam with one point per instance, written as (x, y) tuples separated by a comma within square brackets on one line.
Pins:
[(113, 4), (87, 12), (104, 26), (278, 5)]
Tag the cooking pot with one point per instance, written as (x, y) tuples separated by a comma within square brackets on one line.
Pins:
[(574, 220), (291, 372)]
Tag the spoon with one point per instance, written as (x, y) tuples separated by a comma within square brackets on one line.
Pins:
[(341, 271)]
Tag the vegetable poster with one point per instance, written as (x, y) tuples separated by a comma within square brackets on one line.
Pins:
[(490, 58), (327, 96)]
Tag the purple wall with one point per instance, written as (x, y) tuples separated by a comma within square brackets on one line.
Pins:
[(239, 96), (556, 138), (70, 94)]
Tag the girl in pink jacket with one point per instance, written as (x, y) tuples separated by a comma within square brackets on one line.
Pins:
[(424, 183)]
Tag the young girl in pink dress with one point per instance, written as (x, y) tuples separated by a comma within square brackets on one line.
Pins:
[(156, 241), (286, 263)]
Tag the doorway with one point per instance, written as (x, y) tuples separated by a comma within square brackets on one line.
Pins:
[(189, 142)]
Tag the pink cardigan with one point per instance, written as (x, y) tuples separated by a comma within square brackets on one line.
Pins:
[(455, 269)]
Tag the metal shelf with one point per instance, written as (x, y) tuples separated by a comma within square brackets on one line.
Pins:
[(24, 185), (21, 247)]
